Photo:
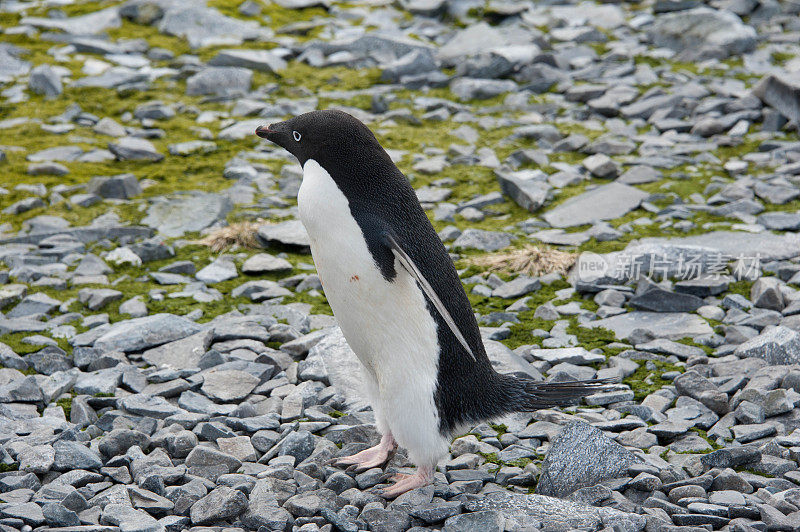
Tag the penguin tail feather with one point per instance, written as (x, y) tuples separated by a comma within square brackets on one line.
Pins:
[(538, 395)]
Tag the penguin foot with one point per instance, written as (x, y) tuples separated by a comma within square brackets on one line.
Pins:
[(404, 483), (369, 458)]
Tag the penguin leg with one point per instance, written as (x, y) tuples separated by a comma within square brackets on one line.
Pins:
[(372, 457), (404, 483), (380, 454)]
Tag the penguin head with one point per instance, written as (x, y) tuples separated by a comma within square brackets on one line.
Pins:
[(321, 135)]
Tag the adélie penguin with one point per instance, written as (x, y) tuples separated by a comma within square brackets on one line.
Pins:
[(398, 299)]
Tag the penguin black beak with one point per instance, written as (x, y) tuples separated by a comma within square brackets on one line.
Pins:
[(264, 132)]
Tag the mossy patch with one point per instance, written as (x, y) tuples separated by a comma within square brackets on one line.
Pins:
[(66, 404), (645, 381)]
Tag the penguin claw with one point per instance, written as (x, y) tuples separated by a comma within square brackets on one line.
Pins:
[(368, 458), (405, 482)]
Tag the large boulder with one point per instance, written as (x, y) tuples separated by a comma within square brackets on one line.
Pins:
[(582, 456), (777, 345), (703, 33)]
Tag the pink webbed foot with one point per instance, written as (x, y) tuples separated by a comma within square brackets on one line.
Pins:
[(404, 483), (369, 458)]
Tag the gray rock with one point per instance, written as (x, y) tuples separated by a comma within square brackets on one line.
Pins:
[(582, 456), (518, 287), (112, 78), (290, 234), (222, 503), (673, 326), (659, 300), (554, 512), (57, 515), (143, 333), (92, 23), (97, 298), (36, 459), (262, 60), (601, 165), (169, 216), (264, 509), (413, 63), (220, 81), (192, 147), (482, 240), (221, 269), (44, 80), (528, 189), (703, 33), (203, 26), (123, 186), (10, 64), (777, 345), (134, 149), (180, 354), (202, 456), (149, 405), (602, 203), (781, 93), (298, 444), (71, 455), (228, 385), (129, 519), (467, 89), (265, 263)]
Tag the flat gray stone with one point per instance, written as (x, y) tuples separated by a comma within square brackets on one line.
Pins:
[(204, 26), (554, 512), (134, 149), (169, 217), (291, 234), (180, 354), (262, 60), (670, 325), (602, 203), (483, 240), (92, 23), (221, 269), (220, 81), (229, 385), (265, 263), (139, 334)]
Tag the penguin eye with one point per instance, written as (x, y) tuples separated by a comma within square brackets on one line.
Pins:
[(296, 135)]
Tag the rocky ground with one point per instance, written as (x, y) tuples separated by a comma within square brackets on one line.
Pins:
[(167, 357)]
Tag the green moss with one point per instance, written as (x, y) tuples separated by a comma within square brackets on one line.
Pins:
[(500, 429), (104, 394), (336, 414), (66, 404), (703, 434), (740, 287), (5, 468), (15, 341), (638, 381), (519, 462)]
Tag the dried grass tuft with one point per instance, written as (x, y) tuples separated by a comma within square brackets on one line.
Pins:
[(240, 234), (530, 260)]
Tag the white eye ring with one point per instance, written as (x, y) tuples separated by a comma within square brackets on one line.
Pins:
[(296, 135)]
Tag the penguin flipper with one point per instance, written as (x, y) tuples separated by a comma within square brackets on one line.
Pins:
[(412, 269)]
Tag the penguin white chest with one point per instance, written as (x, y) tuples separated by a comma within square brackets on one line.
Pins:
[(387, 324)]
